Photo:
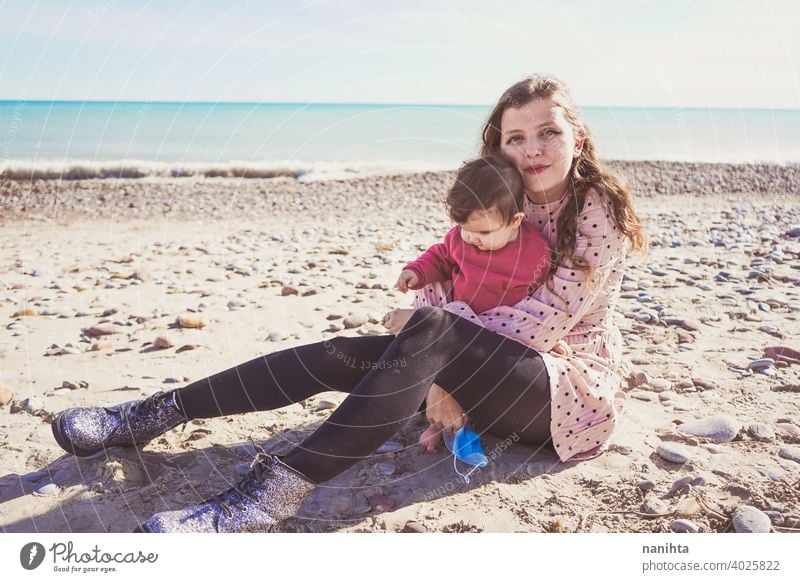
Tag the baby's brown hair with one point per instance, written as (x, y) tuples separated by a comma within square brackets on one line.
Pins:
[(491, 181)]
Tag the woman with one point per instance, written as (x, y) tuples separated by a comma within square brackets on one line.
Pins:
[(564, 389)]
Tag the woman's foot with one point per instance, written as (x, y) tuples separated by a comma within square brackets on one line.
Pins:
[(269, 494), (86, 431)]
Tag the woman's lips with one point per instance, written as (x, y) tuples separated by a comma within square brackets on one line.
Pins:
[(535, 169)]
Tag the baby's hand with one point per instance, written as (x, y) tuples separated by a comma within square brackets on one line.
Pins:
[(407, 280), (562, 349), (430, 438)]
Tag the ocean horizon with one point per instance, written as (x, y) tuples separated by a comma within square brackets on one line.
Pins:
[(334, 140)]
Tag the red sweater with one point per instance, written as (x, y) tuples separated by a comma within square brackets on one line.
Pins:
[(486, 279)]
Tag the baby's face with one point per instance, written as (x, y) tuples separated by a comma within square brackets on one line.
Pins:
[(487, 230)]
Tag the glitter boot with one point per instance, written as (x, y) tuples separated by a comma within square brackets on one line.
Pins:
[(270, 493), (86, 431)]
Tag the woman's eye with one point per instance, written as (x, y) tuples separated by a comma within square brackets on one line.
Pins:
[(513, 139), (550, 132)]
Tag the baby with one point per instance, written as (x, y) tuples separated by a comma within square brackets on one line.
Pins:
[(491, 258)]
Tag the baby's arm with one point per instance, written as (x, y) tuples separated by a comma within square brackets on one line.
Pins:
[(435, 264)]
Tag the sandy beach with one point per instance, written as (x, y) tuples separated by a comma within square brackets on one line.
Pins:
[(95, 276)]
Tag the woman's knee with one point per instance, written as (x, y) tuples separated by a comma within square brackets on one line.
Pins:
[(426, 318)]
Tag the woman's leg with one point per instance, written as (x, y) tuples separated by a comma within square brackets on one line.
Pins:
[(284, 377), (500, 383)]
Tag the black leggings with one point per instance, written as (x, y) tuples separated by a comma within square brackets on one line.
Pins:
[(502, 385)]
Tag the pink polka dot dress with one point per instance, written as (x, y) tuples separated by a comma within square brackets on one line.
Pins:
[(574, 316)]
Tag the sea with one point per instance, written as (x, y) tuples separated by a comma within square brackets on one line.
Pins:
[(312, 141)]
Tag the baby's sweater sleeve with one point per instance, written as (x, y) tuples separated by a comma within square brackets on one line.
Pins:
[(546, 316), (435, 264)]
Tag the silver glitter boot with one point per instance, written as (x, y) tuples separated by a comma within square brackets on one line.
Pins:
[(85, 431), (269, 494)]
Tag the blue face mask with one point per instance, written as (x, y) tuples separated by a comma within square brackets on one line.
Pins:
[(466, 447)]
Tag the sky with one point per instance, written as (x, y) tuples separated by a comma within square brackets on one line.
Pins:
[(647, 53)]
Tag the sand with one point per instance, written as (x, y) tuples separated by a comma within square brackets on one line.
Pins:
[(719, 287)]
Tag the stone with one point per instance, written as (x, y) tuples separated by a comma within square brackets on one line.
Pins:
[(162, 342), (289, 290), (749, 519), (684, 526), (6, 396), (47, 490), (102, 329), (660, 384), (673, 453), (353, 321), (790, 453), (325, 404), (190, 322), (761, 432), (720, 428), (646, 484), (413, 527), (389, 447), (386, 468), (680, 483), (33, 405)]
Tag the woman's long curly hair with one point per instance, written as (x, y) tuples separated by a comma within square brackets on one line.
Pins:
[(586, 171)]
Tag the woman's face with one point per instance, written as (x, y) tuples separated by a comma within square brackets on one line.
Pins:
[(542, 144)]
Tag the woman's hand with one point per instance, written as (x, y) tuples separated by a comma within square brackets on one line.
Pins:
[(407, 280), (442, 409), (397, 319)]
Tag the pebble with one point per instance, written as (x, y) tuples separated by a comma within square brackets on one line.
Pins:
[(6, 396), (46, 490), (684, 526), (277, 336), (681, 483), (698, 481), (102, 329), (776, 517), (660, 384), (162, 342), (190, 322), (75, 385), (353, 321), (32, 405), (289, 290), (386, 468), (654, 505), (761, 363), (673, 453), (325, 404), (761, 432), (748, 519), (413, 527), (790, 453), (720, 428), (26, 312), (646, 396), (646, 484), (775, 474), (389, 447)]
